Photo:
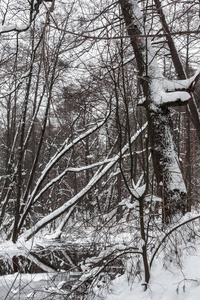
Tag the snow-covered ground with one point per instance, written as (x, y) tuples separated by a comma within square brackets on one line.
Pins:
[(171, 283), (172, 277), (29, 286)]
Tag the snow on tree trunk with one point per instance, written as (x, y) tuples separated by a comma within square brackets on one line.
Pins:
[(165, 161), (159, 95), (192, 110)]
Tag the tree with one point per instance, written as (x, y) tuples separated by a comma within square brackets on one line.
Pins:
[(159, 94), (76, 144)]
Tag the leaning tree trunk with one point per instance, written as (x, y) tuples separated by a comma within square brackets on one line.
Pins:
[(159, 95)]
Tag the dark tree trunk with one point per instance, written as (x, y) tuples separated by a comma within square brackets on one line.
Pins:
[(193, 110), (164, 156)]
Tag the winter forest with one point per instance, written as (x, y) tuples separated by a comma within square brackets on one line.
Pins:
[(99, 151)]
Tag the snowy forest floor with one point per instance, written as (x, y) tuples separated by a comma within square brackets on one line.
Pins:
[(175, 272), (171, 282), (168, 282)]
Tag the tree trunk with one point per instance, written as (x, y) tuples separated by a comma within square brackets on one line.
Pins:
[(165, 162), (192, 109), (164, 156)]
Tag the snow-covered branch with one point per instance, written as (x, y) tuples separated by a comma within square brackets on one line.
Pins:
[(16, 27), (97, 176), (181, 85), (64, 148), (73, 169), (175, 92), (162, 92), (34, 10), (10, 250)]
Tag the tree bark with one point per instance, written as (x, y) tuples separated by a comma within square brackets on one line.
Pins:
[(165, 159), (181, 74)]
